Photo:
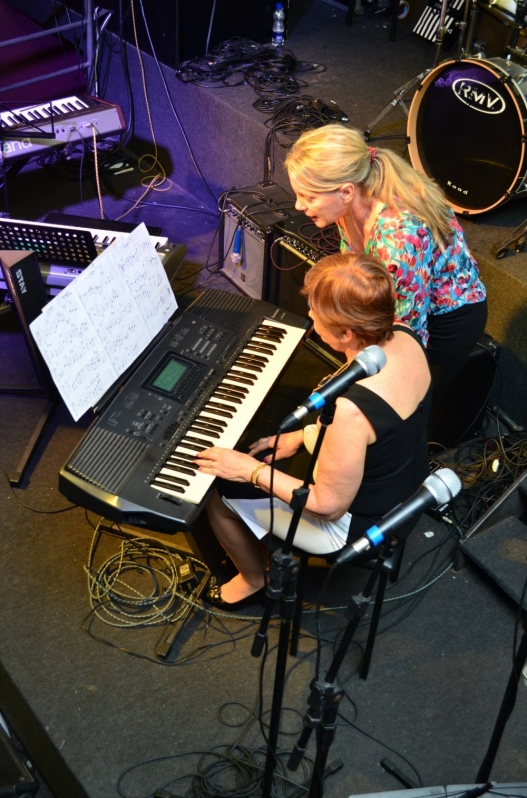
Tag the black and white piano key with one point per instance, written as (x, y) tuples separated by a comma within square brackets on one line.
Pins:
[(260, 362)]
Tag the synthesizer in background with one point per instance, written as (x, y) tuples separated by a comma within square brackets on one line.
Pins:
[(200, 386), (64, 251), (67, 120)]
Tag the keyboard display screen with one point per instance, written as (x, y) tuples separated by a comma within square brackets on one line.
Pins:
[(169, 375)]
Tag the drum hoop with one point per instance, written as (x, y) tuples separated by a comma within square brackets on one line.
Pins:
[(412, 128)]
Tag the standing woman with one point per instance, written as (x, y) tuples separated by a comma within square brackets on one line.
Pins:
[(383, 207)]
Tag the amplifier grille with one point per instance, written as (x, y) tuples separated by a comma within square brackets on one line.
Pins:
[(107, 459)]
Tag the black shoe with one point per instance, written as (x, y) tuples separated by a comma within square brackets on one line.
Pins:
[(213, 596)]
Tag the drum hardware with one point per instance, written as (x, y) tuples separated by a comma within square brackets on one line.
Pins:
[(403, 91), (517, 53), (441, 32), (470, 9), (399, 98), (516, 241), (465, 48)]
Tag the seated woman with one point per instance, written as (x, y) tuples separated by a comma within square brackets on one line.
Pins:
[(373, 455), (385, 208)]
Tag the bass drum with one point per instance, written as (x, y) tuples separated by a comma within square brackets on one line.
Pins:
[(466, 130)]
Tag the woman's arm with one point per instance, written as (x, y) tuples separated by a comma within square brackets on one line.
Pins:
[(340, 465)]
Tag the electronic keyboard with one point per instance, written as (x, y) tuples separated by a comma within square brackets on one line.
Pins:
[(61, 261), (199, 386), (63, 121)]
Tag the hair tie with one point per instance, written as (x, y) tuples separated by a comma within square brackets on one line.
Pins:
[(373, 153)]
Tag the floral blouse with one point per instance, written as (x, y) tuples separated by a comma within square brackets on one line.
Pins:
[(427, 281)]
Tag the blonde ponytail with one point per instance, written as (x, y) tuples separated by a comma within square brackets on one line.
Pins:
[(324, 159)]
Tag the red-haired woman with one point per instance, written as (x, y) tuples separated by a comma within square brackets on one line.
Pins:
[(373, 455)]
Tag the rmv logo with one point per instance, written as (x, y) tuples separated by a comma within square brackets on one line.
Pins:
[(479, 96), (21, 282)]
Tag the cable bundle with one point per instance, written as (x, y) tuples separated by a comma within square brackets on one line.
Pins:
[(486, 467), (137, 586), (239, 61), (294, 116)]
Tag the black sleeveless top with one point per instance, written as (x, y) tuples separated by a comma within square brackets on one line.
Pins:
[(397, 463)]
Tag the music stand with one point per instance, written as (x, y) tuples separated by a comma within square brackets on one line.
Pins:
[(22, 245), (23, 278)]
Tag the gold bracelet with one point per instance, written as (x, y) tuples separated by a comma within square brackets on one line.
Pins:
[(256, 473)]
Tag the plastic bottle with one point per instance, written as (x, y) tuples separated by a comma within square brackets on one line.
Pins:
[(278, 26)]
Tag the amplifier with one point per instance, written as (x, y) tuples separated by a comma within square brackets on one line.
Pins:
[(254, 211), (297, 246)]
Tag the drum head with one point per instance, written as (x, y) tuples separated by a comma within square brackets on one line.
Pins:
[(465, 129)]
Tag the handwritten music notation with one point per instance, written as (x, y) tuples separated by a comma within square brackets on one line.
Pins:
[(96, 327)]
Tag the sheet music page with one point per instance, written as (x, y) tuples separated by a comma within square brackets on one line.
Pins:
[(96, 327)]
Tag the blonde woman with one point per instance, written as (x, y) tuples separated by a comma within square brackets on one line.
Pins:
[(374, 454), (383, 207)]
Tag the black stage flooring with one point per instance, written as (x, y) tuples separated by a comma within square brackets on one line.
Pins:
[(87, 710)]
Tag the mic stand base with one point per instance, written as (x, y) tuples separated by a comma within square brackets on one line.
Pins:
[(282, 584), (325, 696)]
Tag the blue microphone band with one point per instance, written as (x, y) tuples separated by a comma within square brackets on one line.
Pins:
[(375, 535), (317, 400)]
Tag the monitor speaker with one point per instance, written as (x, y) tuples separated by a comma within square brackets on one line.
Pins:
[(246, 259), (497, 542)]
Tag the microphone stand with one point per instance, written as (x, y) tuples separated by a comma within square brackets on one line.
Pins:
[(326, 695), (281, 584)]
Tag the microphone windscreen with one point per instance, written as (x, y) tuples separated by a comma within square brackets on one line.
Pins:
[(372, 359), (443, 484)]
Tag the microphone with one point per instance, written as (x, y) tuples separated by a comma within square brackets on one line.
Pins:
[(367, 363), (438, 489)]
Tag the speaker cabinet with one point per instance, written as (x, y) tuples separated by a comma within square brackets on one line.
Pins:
[(298, 245), (254, 211)]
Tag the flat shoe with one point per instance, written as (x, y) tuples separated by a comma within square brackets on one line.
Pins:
[(213, 596)]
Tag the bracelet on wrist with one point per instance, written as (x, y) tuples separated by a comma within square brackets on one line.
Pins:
[(256, 473)]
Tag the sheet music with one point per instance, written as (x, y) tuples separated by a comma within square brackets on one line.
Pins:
[(96, 327)]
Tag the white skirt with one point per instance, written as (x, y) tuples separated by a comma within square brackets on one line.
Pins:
[(313, 535)]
